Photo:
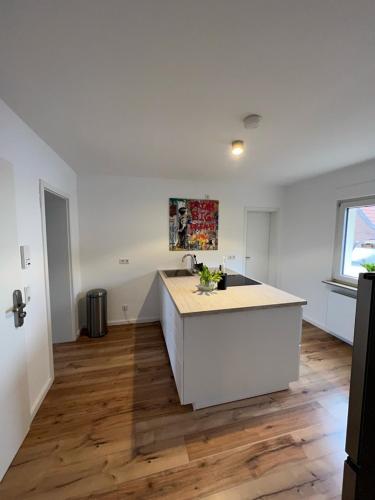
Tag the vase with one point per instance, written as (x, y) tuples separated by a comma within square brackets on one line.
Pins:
[(207, 286)]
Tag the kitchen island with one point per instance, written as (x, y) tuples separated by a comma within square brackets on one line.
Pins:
[(229, 344)]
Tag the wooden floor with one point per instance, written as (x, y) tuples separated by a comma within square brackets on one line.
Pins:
[(111, 427)]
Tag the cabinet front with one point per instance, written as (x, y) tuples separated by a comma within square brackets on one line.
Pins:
[(172, 325)]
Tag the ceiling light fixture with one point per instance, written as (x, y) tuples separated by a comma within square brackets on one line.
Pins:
[(237, 148)]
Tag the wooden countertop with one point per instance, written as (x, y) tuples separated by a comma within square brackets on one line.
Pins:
[(189, 300)]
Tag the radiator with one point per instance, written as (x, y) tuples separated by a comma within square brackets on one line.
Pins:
[(341, 315)]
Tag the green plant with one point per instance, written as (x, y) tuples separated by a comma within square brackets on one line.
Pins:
[(207, 277), (370, 268)]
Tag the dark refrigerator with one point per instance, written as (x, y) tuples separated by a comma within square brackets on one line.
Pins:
[(359, 468)]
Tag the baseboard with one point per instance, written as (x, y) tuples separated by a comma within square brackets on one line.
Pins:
[(78, 333), (132, 321), (324, 328), (39, 400), (316, 323)]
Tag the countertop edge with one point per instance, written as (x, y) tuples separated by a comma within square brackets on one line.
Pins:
[(164, 278), (240, 309)]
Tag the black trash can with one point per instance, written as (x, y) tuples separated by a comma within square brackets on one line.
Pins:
[(96, 302)]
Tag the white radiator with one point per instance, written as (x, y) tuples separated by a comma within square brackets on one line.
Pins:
[(341, 315)]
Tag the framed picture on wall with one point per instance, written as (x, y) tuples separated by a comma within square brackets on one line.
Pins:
[(193, 224)]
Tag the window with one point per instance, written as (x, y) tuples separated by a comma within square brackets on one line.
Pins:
[(355, 238)]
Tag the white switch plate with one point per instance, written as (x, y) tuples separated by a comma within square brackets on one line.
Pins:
[(27, 292), (25, 256), (123, 261)]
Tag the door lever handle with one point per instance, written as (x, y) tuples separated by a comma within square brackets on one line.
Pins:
[(18, 308)]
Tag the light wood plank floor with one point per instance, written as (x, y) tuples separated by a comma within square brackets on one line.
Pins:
[(111, 427)]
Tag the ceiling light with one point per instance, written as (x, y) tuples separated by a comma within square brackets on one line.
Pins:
[(237, 148)]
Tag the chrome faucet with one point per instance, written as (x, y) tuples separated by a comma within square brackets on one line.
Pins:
[(192, 263)]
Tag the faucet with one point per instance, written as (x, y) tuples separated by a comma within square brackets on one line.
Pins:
[(192, 263)]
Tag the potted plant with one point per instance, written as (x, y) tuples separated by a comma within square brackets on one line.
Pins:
[(209, 279), (370, 268)]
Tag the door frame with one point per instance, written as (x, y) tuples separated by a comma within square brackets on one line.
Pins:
[(43, 187), (276, 235)]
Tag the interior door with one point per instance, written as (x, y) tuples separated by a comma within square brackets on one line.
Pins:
[(258, 245), (14, 402)]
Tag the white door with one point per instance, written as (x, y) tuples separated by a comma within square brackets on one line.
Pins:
[(14, 402), (258, 245)]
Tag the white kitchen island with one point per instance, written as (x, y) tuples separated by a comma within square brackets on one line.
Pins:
[(231, 344)]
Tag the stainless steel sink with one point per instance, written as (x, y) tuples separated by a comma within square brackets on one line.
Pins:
[(177, 273)]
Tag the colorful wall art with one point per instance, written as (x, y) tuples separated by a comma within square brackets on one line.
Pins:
[(193, 224)]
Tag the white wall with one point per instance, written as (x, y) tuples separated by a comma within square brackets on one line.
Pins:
[(33, 160), (308, 232), (57, 228), (128, 217)]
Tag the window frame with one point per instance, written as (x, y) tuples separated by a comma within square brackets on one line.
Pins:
[(341, 226)]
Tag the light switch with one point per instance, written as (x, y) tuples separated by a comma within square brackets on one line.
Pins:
[(25, 256), (27, 291)]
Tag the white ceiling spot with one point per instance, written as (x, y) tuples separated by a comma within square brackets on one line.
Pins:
[(238, 147), (159, 88)]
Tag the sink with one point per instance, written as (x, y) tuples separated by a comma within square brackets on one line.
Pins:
[(177, 273)]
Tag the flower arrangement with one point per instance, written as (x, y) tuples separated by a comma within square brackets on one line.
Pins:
[(208, 278)]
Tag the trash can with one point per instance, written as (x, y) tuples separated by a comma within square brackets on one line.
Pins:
[(96, 301)]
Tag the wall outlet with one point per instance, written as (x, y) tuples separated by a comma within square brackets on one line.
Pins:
[(125, 307), (123, 261), (231, 257)]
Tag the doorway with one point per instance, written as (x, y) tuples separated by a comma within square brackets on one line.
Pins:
[(261, 245), (58, 266)]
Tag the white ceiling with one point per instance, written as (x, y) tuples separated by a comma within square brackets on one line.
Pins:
[(159, 87)]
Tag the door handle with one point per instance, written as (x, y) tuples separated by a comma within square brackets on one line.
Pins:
[(247, 257), (18, 308)]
